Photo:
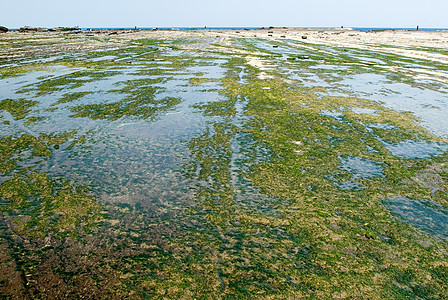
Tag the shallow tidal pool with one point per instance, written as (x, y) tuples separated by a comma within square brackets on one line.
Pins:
[(195, 168)]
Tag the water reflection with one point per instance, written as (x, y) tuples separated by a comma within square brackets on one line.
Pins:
[(426, 215)]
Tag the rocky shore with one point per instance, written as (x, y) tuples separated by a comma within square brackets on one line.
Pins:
[(407, 43)]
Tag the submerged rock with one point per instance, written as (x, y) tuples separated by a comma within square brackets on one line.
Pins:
[(76, 28), (360, 167), (426, 215), (416, 149)]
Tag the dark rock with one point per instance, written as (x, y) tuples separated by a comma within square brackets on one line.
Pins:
[(283, 36), (76, 28), (275, 46), (27, 29), (113, 32), (3, 29), (32, 29), (304, 37)]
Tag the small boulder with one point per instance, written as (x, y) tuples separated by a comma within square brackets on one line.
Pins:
[(3, 29), (27, 29), (304, 37), (32, 29)]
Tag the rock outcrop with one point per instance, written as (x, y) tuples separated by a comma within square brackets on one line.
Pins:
[(32, 29)]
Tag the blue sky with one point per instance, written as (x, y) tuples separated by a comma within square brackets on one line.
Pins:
[(227, 13)]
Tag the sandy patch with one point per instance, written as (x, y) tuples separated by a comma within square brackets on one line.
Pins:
[(260, 64)]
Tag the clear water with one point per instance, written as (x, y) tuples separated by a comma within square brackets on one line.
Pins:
[(431, 107), (367, 111), (360, 167), (426, 215), (416, 149), (332, 113)]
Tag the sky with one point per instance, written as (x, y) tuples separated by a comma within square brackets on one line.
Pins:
[(225, 13)]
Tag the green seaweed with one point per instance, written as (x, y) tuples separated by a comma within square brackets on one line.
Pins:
[(43, 204), (69, 97), (70, 81), (18, 108), (142, 108), (267, 216)]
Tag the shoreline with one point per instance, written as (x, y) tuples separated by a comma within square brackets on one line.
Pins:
[(363, 29), (413, 44)]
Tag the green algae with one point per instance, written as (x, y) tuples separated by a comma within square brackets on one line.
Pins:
[(69, 97), (355, 59), (38, 205), (297, 175), (143, 108), (70, 81), (195, 81), (13, 71), (310, 239), (219, 108), (12, 147), (18, 108), (27, 147), (140, 102)]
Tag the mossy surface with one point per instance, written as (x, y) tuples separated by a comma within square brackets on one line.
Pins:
[(187, 168), (17, 108)]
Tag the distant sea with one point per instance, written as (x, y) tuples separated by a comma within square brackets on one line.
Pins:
[(241, 28)]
